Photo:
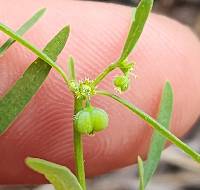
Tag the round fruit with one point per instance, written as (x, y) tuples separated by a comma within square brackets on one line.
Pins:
[(90, 120), (83, 122), (99, 119)]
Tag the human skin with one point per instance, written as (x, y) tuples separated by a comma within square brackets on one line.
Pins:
[(167, 50)]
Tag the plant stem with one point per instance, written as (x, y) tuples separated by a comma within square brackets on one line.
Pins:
[(157, 126), (32, 48), (101, 76), (78, 145), (78, 149)]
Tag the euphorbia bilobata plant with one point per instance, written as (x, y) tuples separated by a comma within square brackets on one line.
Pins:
[(87, 118)]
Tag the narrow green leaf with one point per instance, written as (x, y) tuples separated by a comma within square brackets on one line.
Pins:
[(71, 69), (141, 173), (14, 101), (140, 16), (61, 177), (22, 30), (33, 49), (155, 124), (158, 142)]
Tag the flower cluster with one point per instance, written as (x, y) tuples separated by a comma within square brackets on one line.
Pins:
[(83, 89), (122, 82)]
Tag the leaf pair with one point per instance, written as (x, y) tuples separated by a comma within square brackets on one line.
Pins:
[(15, 100), (22, 92)]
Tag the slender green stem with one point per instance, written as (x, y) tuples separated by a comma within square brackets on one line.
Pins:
[(78, 145), (78, 149), (32, 48), (157, 126), (101, 76)]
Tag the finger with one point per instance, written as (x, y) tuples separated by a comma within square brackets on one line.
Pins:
[(166, 51)]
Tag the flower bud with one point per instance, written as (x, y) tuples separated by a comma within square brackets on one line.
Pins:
[(122, 83), (126, 67)]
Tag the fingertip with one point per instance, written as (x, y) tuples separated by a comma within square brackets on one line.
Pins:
[(167, 50)]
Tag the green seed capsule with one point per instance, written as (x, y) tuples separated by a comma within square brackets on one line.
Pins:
[(122, 83), (99, 119), (83, 122), (90, 120)]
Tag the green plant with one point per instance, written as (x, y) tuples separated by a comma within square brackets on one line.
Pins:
[(87, 119)]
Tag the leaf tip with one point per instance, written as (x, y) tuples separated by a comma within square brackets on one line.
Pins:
[(168, 87), (168, 84), (32, 162), (139, 159), (70, 59), (67, 28), (42, 11), (29, 161)]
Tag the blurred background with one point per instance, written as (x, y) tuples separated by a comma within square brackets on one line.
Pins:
[(185, 11), (176, 171)]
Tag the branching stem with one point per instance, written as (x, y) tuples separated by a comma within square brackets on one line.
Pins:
[(101, 76), (78, 145), (152, 122)]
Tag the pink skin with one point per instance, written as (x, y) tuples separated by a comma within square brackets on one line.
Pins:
[(167, 50)]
